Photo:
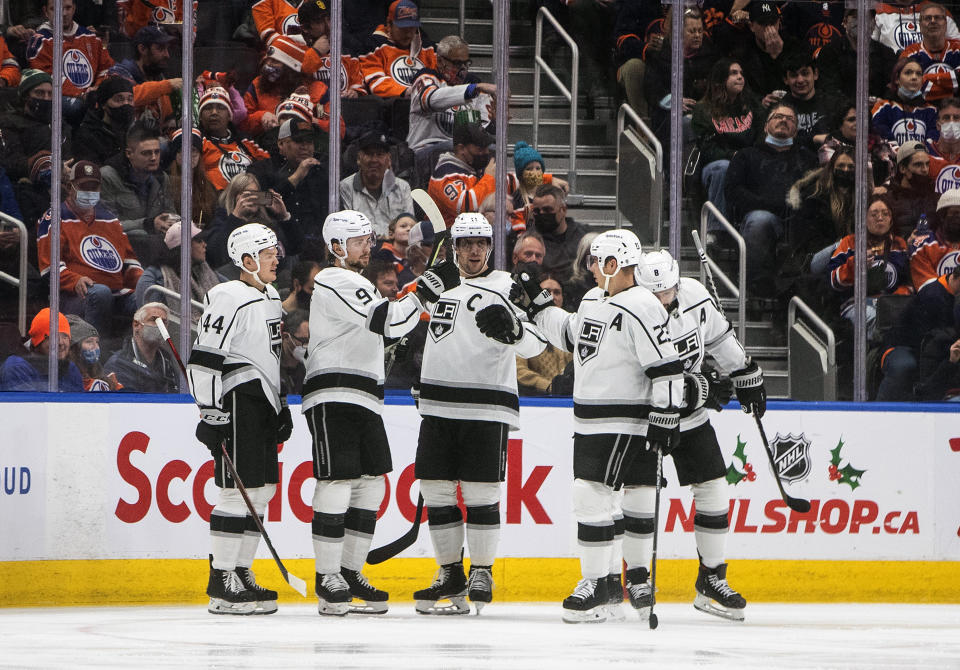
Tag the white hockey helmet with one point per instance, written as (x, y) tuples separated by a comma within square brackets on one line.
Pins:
[(250, 239), (470, 224), (658, 271), (343, 225), (621, 244)]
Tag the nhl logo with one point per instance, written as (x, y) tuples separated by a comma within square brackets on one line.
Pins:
[(588, 344), (443, 317), (791, 454)]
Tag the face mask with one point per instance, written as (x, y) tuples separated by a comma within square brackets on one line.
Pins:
[(303, 300), (951, 230), (88, 199), (151, 335), (41, 109), (91, 356), (921, 181), (950, 130), (271, 73), (907, 95), (300, 353), (777, 142), (545, 223), (121, 116), (43, 179), (843, 177), (480, 162), (531, 181)]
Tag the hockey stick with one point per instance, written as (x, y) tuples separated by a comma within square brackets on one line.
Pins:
[(796, 504), (430, 208), (295, 582), (654, 622), (387, 551)]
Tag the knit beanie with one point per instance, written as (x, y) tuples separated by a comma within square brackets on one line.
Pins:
[(80, 329), (111, 86), (215, 95), (30, 79), (523, 155)]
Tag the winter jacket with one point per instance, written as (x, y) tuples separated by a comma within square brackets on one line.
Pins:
[(760, 177)]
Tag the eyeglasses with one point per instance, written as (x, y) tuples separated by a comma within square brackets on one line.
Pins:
[(783, 117), (301, 341), (933, 18), (459, 63)]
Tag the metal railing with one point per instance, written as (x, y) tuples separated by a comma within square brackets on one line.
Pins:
[(570, 94), (19, 281), (163, 290), (739, 290), (831, 341), (657, 148)]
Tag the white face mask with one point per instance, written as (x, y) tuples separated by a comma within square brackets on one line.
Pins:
[(89, 199), (300, 353), (950, 130)]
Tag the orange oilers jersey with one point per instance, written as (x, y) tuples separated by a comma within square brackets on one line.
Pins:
[(351, 76), (259, 103), (388, 71), (456, 188), (273, 17), (932, 257), (135, 14), (99, 250), (224, 160), (9, 70), (85, 60)]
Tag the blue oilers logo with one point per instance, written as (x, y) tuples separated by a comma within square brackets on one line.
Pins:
[(98, 385), (949, 261), (163, 15), (291, 25), (445, 120), (77, 68), (403, 69), (938, 68), (99, 253), (906, 34), (947, 178), (908, 129), (443, 317), (233, 163), (323, 74)]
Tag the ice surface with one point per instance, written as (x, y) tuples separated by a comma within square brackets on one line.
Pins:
[(508, 635)]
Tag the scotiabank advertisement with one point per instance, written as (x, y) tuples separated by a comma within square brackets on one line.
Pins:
[(128, 480)]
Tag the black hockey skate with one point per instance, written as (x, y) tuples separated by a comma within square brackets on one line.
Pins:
[(638, 588), (266, 598), (374, 600), (587, 603), (714, 595), (480, 585), (333, 594), (451, 584), (614, 598), (228, 595)]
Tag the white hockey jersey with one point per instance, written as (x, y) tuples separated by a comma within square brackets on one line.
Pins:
[(625, 363), (348, 321), (697, 328), (898, 26), (465, 374), (433, 105), (238, 342)]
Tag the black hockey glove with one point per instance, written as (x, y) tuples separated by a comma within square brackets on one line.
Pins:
[(526, 292), (562, 383), (748, 384), (663, 431), (706, 389), (499, 323), (441, 277), (284, 424), (214, 427)]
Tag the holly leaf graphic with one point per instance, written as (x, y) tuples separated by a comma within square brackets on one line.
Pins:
[(740, 452), (734, 475), (835, 454), (850, 475)]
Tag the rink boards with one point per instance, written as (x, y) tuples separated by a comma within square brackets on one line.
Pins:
[(108, 502)]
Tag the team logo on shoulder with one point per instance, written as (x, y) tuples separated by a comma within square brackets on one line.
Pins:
[(291, 25), (588, 344), (77, 68), (443, 317), (233, 163), (99, 253), (164, 15), (403, 69), (275, 340), (949, 261), (791, 454)]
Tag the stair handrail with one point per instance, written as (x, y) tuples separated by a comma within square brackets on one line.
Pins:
[(739, 289), (462, 18), (21, 281), (570, 94), (796, 303), (624, 111), (163, 290)]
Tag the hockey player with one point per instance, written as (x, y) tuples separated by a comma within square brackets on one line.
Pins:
[(234, 375), (628, 386), (468, 401), (697, 328), (343, 400)]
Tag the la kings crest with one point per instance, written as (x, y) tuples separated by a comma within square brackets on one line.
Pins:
[(443, 317), (791, 453), (276, 341), (588, 343)]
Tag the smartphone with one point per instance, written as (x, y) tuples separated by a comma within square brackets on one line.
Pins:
[(264, 198)]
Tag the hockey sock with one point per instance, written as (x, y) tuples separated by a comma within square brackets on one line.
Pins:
[(616, 553), (595, 540), (446, 533), (483, 533), (226, 538), (249, 543), (710, 522), (327, 541), (358, 525), (638, 503)]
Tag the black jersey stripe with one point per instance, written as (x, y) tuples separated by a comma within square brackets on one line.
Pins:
[(334, 292), (206, 359), (334, 380), (611, 411), (695, 305), (377, 321), (469, 396), (669, 369)]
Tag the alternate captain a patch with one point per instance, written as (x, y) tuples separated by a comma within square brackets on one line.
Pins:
[(443, 317), (588, 344)]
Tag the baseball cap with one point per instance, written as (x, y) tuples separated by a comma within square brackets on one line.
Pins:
[(312, 10), (421, 235), (40, 326), (472, 133), (172, 236), (152, 35), (404, 14), (763, 12), (373, 138), (907, 149), (84, 173), (297, 130)]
